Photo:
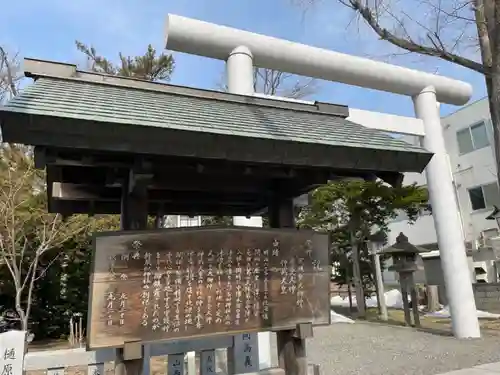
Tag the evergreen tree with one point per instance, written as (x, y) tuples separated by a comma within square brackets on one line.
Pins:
[(148, 67), (349, 211)]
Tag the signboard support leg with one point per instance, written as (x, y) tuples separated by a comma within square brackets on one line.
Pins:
[(291, 343), (134, 214), (127, 365), (292, 349)]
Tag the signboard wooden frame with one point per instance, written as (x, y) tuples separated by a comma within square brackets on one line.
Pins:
[(187, 283)]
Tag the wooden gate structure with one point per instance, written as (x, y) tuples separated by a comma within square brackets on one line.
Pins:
[(114, 145)]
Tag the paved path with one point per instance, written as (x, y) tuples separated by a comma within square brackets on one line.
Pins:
[(375, 349), (487, 369)]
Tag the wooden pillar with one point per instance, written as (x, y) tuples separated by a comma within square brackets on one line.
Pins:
[(291, 343), (160, 218), (134, 216), (134, 210), (281, 214)]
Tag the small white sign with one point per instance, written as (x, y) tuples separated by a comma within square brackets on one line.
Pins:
[(12, 349)]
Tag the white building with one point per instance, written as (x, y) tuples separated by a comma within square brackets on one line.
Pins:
[(469, 141), (177, 221)]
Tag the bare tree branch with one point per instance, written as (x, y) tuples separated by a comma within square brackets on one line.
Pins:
[(9, 74), (27, 231), (437, 49), (276, 83)]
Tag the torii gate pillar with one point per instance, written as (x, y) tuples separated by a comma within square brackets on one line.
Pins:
[(447, 222)]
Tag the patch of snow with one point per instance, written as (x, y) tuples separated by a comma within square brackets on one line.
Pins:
[(444, 313), (338, 318), (338, 301), (393, 300)]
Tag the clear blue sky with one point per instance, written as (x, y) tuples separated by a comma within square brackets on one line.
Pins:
[(47, 29)]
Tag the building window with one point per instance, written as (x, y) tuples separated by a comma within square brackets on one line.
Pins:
[(485, 196), (472, 138)]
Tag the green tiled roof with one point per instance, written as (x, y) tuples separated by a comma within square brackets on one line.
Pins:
[(78, 99)]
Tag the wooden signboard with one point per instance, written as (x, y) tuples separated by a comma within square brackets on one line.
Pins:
[(196, 282)]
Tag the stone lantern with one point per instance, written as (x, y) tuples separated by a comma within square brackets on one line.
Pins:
[(404, 259)]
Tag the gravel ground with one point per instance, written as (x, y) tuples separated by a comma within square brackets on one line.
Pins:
[(373, 349)]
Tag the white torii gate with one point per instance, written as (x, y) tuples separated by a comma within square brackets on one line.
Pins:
[(242, 50)]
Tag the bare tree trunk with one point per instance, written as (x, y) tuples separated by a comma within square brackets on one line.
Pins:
[(356, 272), (489, 43), (348, 277), (349, 293), (19, 309), (31, 286), (493, 21), (374, 273), (493, 86)]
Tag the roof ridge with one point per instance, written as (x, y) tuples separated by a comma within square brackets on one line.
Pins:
[(34, 68)]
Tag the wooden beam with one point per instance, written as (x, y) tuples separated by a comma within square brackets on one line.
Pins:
[(196, 174), (39, 154), (68, 207), (165, 165), (59, 132), (181, 182), (65, 191), (84, 175)]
